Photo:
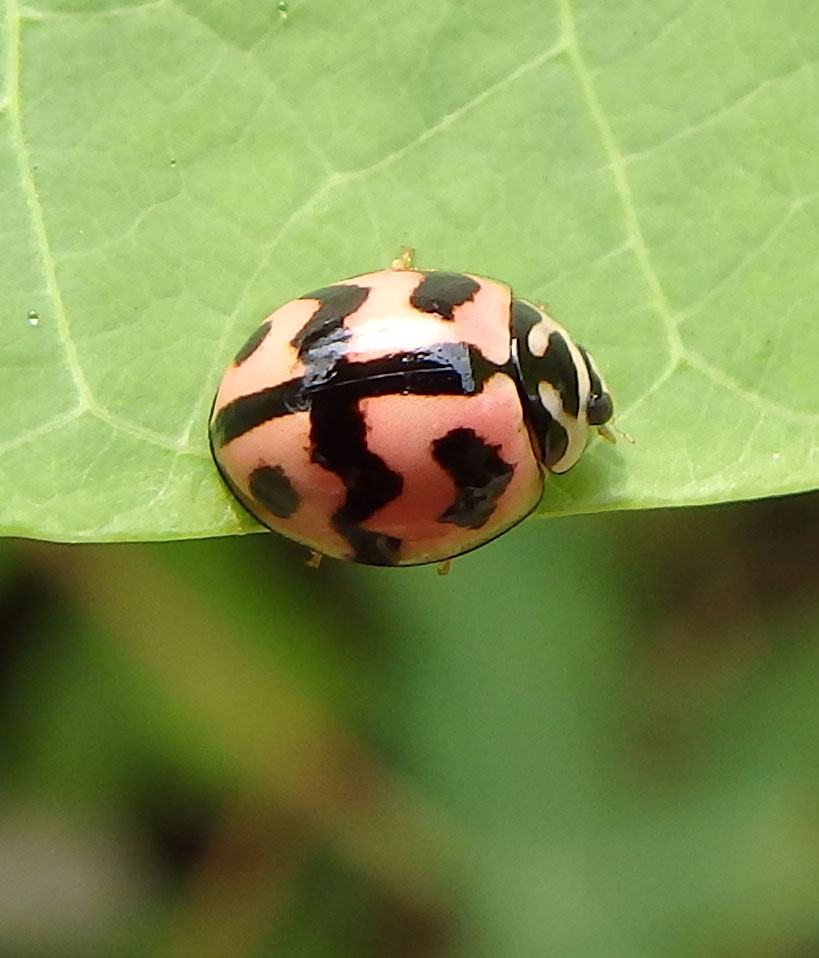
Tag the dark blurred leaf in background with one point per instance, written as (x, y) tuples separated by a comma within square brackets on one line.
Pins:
[(597, 736)]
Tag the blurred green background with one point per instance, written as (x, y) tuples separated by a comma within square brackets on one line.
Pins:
[(596, 736)]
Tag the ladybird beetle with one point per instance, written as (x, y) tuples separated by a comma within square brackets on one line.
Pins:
[(403, 416)]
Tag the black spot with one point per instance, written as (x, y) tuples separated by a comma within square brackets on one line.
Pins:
[(479, 474), (247, 412), (255, 340), (555, 442), (326, 325), (270, 486), (441, 292), (339, 437)]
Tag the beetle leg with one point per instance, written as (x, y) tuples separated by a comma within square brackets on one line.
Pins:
[(315, 559), (404, 261)]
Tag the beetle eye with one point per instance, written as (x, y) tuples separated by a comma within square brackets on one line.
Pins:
[(599, 409)]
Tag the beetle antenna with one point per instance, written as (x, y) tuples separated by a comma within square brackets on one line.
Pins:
[(607, 433)]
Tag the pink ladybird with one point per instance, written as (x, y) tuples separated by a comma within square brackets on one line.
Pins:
[(403, 416)]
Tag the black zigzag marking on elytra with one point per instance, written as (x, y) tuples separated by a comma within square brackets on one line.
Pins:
[(447, 369), (247, 412), (339, 437), (551, 437), (256, 338), (441, 292), (326, 325), (336, 303), (479, 474), (322, 341), (271, 487)]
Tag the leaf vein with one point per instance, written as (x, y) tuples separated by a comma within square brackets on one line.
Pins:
[(29, 187), (43, 429), (446, 121), (616, 163), (217, 356), (720, 378), (248, 56), (713, 118), (31, 14), (741, 264)]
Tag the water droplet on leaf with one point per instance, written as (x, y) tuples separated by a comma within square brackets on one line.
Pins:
[(33, 317)]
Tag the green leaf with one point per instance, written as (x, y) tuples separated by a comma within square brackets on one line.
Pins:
[(170, 172)]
